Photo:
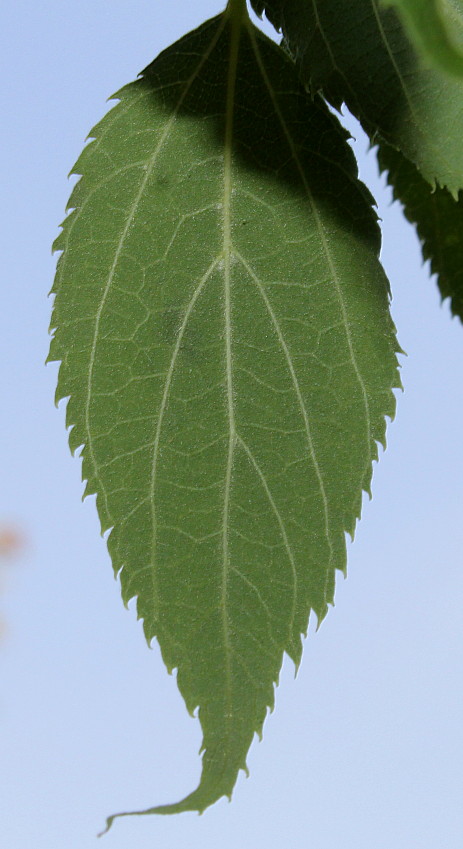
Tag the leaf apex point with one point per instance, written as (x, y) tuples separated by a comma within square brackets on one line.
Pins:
[(109, 822)]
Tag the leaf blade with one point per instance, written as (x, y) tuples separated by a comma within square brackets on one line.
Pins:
[(231, 313)]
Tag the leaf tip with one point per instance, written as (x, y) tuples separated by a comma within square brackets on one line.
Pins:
[(109, 822)]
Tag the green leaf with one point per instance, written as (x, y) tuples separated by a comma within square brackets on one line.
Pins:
[(222, 323), (439, 222), (358, 53), (431, 25)]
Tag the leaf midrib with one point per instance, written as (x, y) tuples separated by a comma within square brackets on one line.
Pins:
[(236, 29)]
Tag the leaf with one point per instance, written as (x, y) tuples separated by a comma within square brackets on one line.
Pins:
[(225, 342), (359, 54), (439, 222), (431, 25)]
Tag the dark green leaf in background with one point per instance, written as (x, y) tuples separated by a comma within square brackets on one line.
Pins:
[(439, 222), (358, 53), (222, 323), (435, 27)]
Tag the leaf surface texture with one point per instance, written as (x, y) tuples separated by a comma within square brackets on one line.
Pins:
[(358, 53), (222, 323)]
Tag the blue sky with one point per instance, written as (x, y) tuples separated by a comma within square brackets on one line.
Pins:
[(364, 749)]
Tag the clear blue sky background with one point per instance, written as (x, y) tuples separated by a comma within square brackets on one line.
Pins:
[(364, 749)]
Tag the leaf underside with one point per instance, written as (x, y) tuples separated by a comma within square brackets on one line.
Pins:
[(439, 222), (358, 53), (222, 322)]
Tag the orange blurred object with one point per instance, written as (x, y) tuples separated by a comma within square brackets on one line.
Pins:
[(11, 541)]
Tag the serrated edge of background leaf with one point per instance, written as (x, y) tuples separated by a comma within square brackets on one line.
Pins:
[(444, 282)]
